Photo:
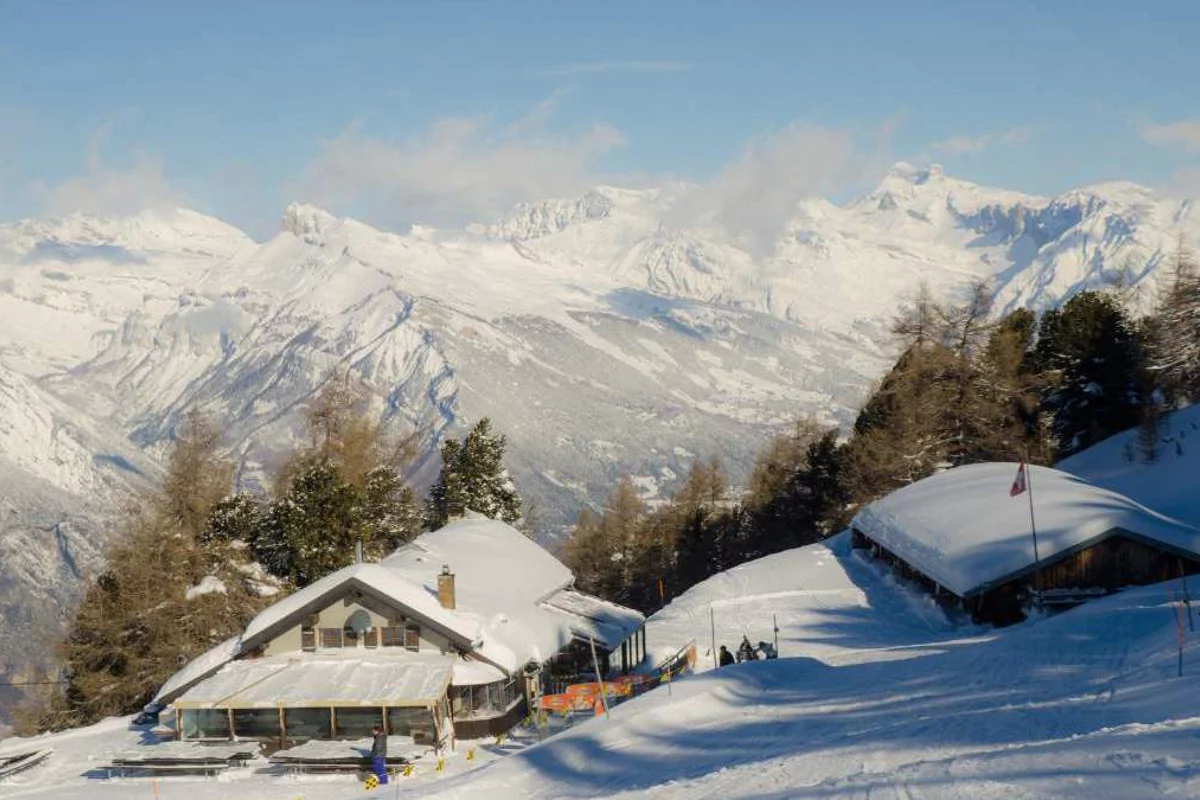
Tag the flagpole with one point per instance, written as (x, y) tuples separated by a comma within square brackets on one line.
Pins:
[(1037, 561)]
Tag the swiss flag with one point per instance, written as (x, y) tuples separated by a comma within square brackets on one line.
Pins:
[(1018, 482)]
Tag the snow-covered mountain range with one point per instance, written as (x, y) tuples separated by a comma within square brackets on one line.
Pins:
[(600, 337)]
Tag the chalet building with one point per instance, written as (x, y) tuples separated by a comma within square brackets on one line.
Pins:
[(450, 637), (963, 536)]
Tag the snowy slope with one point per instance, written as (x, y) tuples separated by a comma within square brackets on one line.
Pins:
[(1170, 483), (600, 336), (867, 700), (1085, 704)]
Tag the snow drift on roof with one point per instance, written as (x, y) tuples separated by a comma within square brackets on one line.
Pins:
[(324, 680), (962, 529), (592, 618), (198, 668), (501, 577)]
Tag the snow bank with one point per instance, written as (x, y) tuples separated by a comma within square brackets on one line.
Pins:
[(962, 529)]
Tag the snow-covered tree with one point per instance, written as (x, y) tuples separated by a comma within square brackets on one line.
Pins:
[(473, 477)]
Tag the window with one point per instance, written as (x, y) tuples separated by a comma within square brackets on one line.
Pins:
[(390, 636), (371, 637), (256, 723), (308, 723), (484, 700), (355, 723), (308, 639), (331, 637), (204, 723), (401, 721), (412, 637)]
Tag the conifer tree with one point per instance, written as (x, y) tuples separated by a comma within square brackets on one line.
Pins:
[(473, 477), (344, 488), (1096, 363), (137, 621)]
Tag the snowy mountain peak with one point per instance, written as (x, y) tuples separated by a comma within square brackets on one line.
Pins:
[(306, 222), (903, 172), (535, 220), (80, 237)]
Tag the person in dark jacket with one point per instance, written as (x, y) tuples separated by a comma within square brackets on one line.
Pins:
[(725, 658), (379, 754), (746, 651)]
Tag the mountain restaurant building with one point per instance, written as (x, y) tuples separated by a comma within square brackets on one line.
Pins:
[(450, 637), (964, 536)]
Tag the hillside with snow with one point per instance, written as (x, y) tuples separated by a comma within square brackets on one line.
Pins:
[(601, 336), (877, 693)]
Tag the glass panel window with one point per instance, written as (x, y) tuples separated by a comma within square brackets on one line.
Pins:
[(256, 723), (331, 637), (307, 723), (356, 723), (308, 639), (412, 637), (204, 723), (401, 721)]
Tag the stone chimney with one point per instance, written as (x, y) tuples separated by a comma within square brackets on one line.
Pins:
[(446, 588)]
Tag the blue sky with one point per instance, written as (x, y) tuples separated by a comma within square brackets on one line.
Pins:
[(448, 111)]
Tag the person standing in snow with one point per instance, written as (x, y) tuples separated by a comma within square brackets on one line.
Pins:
[(746, 650), (379, 754), (725, 658), (768, 650)]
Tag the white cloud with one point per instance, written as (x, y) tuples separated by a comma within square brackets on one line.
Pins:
[(104, 189), (1184, 184), (757, 193), (960, 145), (606, 67), (969, 145), (461, 170), (1184, 134)]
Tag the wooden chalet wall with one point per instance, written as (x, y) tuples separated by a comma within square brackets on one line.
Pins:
[(1114, 563)]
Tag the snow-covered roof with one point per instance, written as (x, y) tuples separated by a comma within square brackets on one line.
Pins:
[(376, 578), (198, 668), (474, 673), (592, 618), (502, 578), (962, 529), (513, 604), (324, 680)]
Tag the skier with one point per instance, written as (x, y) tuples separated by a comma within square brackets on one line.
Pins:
[(746, 650), (768, 650), (379, 754), (725, 657)]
